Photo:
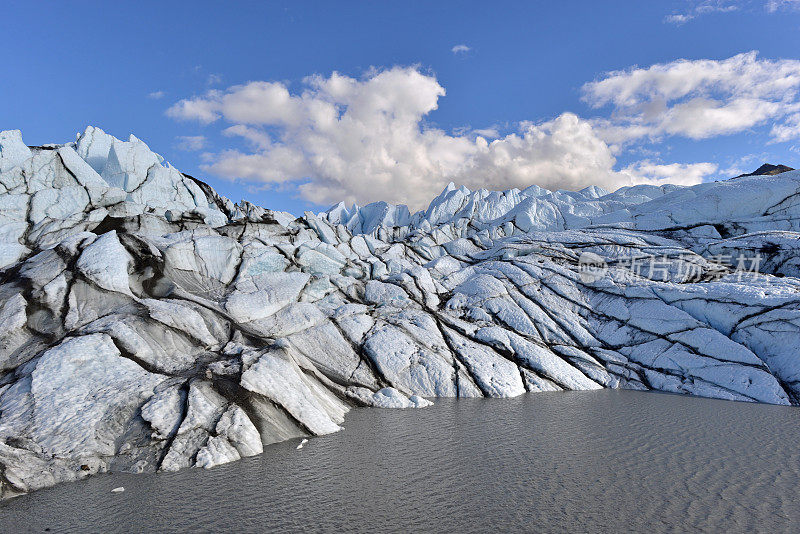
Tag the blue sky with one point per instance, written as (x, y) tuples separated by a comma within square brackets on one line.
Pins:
[(517, 78)]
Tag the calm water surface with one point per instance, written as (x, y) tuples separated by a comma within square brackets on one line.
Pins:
[(581, 461)]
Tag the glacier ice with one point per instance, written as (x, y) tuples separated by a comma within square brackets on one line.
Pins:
[(148, 323)]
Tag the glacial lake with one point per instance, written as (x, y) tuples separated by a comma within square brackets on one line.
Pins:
[(547, 462)]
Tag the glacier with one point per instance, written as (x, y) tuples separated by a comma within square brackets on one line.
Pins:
[(147, 323)]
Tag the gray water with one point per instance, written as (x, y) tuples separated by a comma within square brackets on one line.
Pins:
[(582, 461)]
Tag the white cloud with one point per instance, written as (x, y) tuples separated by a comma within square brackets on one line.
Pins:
[(156, 95), (697, 8), (702, 8), (488, 133), (673, 173), (214, 79), (362, 140), (255, 137), (679, 18), (190, 143), (194, 109), (696, 99), (787, 131), (717, 6), (774, 5), (460, 49), (564, 153)]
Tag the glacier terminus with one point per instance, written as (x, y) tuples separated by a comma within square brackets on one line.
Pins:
[(149, 324)]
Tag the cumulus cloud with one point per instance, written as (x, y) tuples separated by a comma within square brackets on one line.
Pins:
[(696, 99), (489, 133), (156, 95), (460, 49), (256, 138), (673, 173), (190, 143), (362, 140)]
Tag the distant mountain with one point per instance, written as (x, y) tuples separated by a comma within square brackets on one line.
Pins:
[(768, 170)]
